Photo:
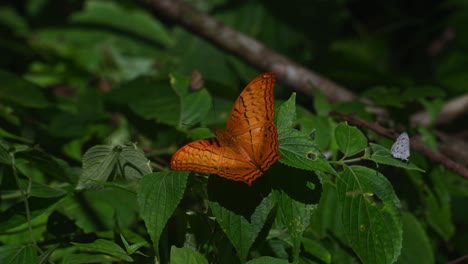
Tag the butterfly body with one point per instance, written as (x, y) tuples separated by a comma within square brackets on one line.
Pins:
[(249, 145), (401, 148)]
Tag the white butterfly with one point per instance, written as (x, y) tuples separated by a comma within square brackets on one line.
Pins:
[(401, 148)]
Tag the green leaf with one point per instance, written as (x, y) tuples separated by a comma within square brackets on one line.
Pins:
[(299, 151), (193, 50), (19, 91), (11, 18), (6, 134), (450, 72), (186, 255), (382, 155), (286, 117), (139, 22), (41, 190), (328, 213), (150, 98), (18, 254), (433, 108), (243, 219), (386, 96), (296, 216), (101, 162), (267, 260), (85, 258), (323, 131), (428, 138), (416, 245), (5, 157), (194, 108), (133, 163), (158, 196), (131, 249), (370, 214), (317, 250), (437, 201), (321, 104), (200, 133), (45, 162), (350, 140), (106, 247)]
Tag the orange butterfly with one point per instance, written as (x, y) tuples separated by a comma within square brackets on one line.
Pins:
[(248, 147)]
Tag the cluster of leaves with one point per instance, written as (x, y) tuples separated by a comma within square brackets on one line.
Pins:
[(101, 85)]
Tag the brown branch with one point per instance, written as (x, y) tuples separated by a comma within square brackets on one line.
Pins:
[(451, 110), (287, 71), (249, 50), (415, 145)]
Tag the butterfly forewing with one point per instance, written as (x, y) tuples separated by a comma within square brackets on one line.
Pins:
[(401, 148), (251, 122)]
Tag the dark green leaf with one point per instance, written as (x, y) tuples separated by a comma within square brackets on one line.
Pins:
[(186, 255), (41, 190), (158, 196), (139, 22), (19, 91), (84, 258), (106, 247), (5, 157), (242, 228), (416, 245), (18, 254), (267, 260), (101, 162)]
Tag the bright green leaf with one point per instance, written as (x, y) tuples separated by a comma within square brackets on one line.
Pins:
[(299, 151), (296, 217), (286, 117), (321, 104), (370, 214), (316, 249), (350, 140), (382, 155)]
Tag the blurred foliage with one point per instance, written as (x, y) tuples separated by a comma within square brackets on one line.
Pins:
[(95, 97)]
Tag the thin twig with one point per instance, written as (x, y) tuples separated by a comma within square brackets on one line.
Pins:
[(415, 145), (451, 110)]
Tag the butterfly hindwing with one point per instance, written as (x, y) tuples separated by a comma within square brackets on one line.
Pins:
[(209, 156)]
